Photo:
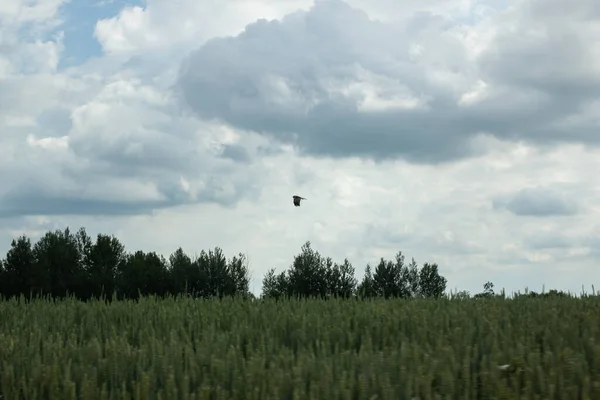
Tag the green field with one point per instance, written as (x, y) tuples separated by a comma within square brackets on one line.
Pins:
[(234, 349)]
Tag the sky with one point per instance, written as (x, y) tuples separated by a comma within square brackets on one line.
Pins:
[(459, 132)]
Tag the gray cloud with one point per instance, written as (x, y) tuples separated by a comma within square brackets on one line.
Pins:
[(537, 202), (118, 163), (549, 241), (24, 204), (97, 194), (54, 122), (291, 80), (236, 153)]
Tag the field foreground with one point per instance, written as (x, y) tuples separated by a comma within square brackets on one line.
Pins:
[(260, 350)]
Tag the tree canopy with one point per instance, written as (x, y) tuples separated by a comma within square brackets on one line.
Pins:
[(63, 263)]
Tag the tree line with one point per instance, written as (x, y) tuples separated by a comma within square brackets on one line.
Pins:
[(65, 263)]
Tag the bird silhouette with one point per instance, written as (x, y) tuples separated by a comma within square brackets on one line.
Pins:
[(297, 200)]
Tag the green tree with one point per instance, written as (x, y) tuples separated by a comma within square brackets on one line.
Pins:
[(366, 288), (307, 276), (239, 274), (4, 287), (213, 266), (341, 280), (311, 275), (391, 279), (432, 284), (143, 274), (274, 285), (220, 277), (413, 279), (185, 274), (20, 276), (58, 260), (396, 279), (103, 259), (488, 291), (62, 263)]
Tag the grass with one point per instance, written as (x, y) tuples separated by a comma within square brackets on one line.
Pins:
[(232, 349)]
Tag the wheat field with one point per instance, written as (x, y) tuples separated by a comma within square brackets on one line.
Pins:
[(545, 348)]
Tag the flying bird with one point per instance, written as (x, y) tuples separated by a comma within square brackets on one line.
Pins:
[(297, 200)]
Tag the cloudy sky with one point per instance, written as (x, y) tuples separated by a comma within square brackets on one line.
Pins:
[(460, 132)]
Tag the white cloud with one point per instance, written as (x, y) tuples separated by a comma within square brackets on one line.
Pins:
[(18, 12), (506, 94), (334, 62), (23, 29), (161, 23)]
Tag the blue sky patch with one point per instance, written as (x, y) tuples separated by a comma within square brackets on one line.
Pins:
[(80, 19)]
